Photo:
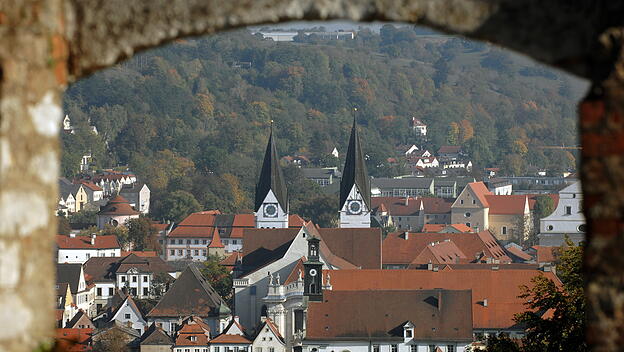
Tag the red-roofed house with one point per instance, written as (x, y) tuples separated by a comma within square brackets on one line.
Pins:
[(78, 249), (508, 217), (232, 338), (411, 213), (190, 238), (116, 212), (194, 333), (405, 249), (268, 338)]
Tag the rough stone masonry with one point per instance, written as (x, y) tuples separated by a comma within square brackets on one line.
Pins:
[(44, 44)]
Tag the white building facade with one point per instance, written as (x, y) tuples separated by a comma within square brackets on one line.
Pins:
[(566, 220)]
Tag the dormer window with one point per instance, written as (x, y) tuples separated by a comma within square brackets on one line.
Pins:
[(193, 338)]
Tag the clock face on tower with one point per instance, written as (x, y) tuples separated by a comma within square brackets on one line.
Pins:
[(312, 272), (270, 210), (354, 207)]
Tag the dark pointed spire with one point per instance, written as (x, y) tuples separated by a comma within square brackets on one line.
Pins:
[(271, 177), (355, 172)]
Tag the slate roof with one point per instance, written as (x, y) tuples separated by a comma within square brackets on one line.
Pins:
[(355, 172), (189, 295), (438, 315), (118, 206), (360, 246), (84, 242), (156, 336), (500, 288), (271, 177), (69, 273)]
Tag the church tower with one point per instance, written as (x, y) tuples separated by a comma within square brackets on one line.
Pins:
[(271, 206), (313, 277), (355, 200)]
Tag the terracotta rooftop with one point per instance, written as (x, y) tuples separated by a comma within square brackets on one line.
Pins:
[(461, 228), (480, 191), (139, 253), (438, 315), (546, 254), (118, 206), (92, 186), (445, 252), (399, 250), (202, 224), (519, 253), (230, 339), (84, 242), (507, 204), (500, 288), (74, 339)]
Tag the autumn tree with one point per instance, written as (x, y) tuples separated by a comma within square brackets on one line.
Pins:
[(563, 328), (466, 131), (218, 276), (142, 234), (452, 133)]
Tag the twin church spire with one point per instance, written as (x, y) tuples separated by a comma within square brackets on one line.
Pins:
[(271, 202)]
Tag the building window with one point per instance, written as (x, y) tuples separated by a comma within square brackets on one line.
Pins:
[(258, 349), (171, 241), (145, 278), (123, 278), (234, 242), (413, 348), (111, 291), (204, 252), (271, 349), (193, 338), (216, 348), (197, 252), (549, 227), (99, 291), (394, 348), (196, 241), (180, 241), (172, 252), (568, 210), (134, 278), (204, 242), (467, 215), (450, 348), (127, 316), (180, 252), (504, 230), (375, 348), (461, 201), (431, 348), (408, 333), (188, 252), (145, 291), (188, 241), (225, 242)]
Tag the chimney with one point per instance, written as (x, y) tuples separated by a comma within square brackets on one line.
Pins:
[(406, 235), (485, 302), (93, 236), (430, 266), (406, 201), (72, 235)]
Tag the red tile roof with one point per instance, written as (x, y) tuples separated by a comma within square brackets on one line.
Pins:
[(499, 287), (202, 224), (230, 339), (546, 254), (398, 250), (396, 205), (215, 242), (519, 253), (434, 205), (449, 149), (118, 206), (445, 252), (84, 242), (231, 260), (74, 339), (480, 191), (440, 227), (91, 186), (507, 204), (139, 253)]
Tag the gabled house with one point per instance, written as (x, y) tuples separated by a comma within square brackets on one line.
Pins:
[(472, 207), (138, 196), (233, 338), (190, 295), (155, 339), (411, 213), (131, 273), (82, 294), (194, 334), (65, 307), (268, 338), (128, 314), (80, 321)]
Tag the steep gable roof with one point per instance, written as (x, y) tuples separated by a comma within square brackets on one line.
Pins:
[(190, 294), (80, 318), (445, 252), (215, 242), (271, 177), (156, 336), (360, 246), (441, 315), (69, 273), (354, 172)]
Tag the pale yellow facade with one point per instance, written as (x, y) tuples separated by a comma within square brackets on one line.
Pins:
[(467, 209), (81, 198)]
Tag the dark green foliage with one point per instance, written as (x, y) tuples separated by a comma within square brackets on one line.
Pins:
[(188, 118), (83, 217), (218, 276), (501, 343), (142, 235), (63, 225), (565, 329)]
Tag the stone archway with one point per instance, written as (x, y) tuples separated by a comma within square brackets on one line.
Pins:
[(44, 44)]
